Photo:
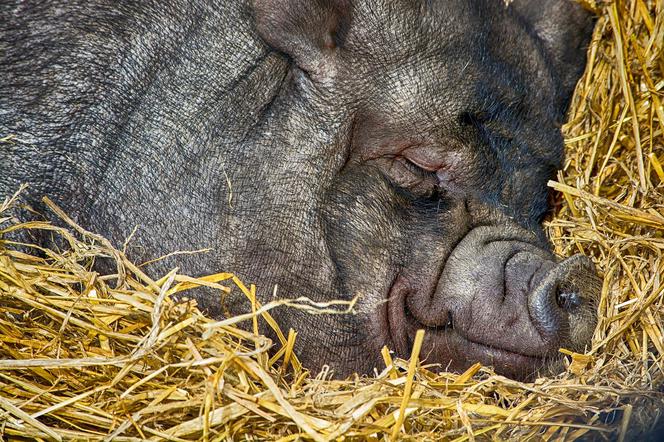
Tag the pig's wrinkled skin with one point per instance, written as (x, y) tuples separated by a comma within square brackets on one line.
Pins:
[(396, 150)]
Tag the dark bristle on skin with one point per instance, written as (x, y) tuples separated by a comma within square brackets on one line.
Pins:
[(85, 356)]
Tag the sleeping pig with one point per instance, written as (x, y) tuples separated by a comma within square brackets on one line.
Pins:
[(396, 151)]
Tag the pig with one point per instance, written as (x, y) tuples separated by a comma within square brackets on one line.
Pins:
[(390, 151)]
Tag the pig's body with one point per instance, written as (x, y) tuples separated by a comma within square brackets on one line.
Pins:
[(395, 150)]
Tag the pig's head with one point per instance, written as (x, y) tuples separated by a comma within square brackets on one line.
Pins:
[(431, 129)]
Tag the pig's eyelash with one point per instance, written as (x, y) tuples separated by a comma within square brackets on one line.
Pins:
[(426, 176), (417, 170)]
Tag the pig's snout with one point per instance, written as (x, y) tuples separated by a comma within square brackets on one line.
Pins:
[(562, 304), (501, 299)]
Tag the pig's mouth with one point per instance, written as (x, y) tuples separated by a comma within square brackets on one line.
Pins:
[(500, 302)]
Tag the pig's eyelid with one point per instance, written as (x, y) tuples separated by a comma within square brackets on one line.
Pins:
[(426, 175), (421, 171)]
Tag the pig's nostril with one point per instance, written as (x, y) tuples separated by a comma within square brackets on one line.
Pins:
[(568, 300), (562, 303)]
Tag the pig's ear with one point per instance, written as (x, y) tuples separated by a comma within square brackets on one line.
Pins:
[(564, 28), (308, 31)]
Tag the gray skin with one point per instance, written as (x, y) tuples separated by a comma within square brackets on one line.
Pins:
[(393, 150)]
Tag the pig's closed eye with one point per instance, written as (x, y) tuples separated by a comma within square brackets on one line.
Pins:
[(415, 180), (419, 171)]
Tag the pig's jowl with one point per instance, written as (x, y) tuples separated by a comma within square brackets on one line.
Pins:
[(394, 150)]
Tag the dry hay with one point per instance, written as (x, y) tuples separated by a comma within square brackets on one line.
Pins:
[(84, 356)]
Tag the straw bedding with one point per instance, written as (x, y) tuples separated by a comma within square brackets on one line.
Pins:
[(90, 357)]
